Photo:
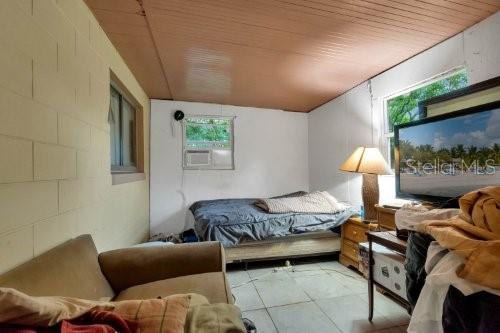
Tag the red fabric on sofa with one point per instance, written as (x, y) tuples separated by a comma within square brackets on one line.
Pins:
[(92, 322)]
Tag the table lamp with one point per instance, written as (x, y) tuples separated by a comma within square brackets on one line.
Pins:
[(371, 163)]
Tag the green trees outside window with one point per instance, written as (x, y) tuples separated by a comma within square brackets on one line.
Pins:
[(404, 108), (206, 132)]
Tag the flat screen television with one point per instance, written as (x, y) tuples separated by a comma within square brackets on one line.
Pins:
[(443, 157)]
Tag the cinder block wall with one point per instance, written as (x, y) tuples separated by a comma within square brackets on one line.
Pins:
[(55, 180)]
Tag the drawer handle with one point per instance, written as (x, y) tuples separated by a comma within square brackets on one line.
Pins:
[(354, 232)]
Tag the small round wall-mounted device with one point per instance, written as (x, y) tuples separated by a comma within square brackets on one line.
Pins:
[(178, 115)]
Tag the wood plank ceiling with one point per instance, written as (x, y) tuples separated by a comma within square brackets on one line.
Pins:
[(284, 54)]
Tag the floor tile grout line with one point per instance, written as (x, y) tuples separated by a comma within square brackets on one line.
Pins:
[(377, 312), (268, 314), (279, 306), (272, 320), (328, 272), (311, 301), (258, 294), (265, 307), (380, 313), (327, 316)]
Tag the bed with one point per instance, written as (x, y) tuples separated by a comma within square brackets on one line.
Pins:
[(250, 233)]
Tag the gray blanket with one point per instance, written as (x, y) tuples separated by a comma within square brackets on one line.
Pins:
[(232, 221)]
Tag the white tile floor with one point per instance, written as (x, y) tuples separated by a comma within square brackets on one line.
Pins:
[(315, 296)]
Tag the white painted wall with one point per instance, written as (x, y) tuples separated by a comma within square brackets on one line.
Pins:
[(270, 153), (340, 125)]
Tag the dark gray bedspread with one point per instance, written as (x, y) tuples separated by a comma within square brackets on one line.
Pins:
[(231, 221)]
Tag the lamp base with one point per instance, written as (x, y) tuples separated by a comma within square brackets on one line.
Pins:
[(370, 195)]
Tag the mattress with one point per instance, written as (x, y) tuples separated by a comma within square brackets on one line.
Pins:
[(232, 221)]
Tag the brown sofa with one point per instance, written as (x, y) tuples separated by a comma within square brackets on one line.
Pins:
[(75, 269)]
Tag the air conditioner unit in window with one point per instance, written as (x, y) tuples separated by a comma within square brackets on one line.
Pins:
[(197, 158)]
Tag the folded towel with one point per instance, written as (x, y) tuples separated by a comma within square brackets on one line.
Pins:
[(314, 203)]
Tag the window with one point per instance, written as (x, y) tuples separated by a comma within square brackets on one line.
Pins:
[(208, 142), (403, 107), (123, 121)]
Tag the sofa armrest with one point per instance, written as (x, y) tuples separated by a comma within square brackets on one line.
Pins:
[(129, 267)]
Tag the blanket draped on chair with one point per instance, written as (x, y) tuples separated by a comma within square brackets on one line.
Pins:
[(94, 321), (21, 313), (183, 313), (474, 234)]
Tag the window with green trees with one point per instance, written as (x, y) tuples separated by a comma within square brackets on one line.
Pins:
[(208, 132), (208, 143), (403, 108)]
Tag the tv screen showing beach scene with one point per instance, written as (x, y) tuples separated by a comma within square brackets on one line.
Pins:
[(450, 157)]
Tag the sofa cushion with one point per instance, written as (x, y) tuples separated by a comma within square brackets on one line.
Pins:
[(70, 269), (166, 315), (213, 286)]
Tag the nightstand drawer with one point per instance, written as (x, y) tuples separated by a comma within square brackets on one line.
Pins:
[(354, 233), (350, 250)]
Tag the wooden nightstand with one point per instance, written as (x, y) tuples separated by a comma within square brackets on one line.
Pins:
[(385, 217), (353, 233)]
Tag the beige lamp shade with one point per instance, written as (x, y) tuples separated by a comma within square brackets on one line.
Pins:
[(366, 160)]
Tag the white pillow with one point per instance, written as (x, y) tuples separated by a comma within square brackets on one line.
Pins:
[(333, 201)]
